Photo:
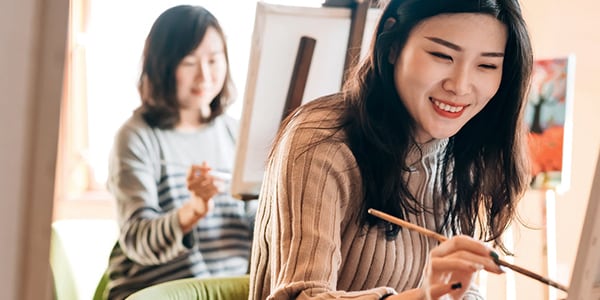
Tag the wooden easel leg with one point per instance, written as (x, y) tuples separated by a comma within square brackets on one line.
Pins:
[(299, 75)]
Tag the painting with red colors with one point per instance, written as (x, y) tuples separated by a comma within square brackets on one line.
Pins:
[(549, 117)]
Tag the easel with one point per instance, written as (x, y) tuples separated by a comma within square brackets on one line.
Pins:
[(307, 46)]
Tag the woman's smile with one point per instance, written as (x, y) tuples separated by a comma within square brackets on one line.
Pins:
[(447, 109)]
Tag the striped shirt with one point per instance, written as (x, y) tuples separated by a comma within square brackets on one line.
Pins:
[(147, 176), (310, 244)]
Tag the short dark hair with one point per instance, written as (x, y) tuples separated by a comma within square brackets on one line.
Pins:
[(175, 34)]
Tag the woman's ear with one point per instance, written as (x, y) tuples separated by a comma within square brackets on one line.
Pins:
[(393, 55), (389, 23)]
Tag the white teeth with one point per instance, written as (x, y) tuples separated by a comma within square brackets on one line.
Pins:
[(448, 108)]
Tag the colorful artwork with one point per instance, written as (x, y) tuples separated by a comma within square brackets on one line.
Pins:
[(548, 115)]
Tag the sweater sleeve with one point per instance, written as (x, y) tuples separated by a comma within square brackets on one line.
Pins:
[(148, 235), (308, 189)]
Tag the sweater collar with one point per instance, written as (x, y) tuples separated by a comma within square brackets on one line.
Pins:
[(420, 152)]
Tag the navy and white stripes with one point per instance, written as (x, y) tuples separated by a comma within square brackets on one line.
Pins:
[(152, 247)]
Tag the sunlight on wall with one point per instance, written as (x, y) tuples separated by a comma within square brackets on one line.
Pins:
[(114, 43)]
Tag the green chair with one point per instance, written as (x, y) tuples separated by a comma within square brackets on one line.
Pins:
[(99, 292), (218, 288), (62, 272)]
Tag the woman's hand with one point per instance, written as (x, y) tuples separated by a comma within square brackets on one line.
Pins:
[(202, 187), (452, 267), (458, 260)]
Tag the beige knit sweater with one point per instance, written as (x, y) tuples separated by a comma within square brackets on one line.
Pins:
[(307, 242)]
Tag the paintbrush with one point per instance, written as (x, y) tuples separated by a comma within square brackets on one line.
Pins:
[(226, 176), (441, 238)]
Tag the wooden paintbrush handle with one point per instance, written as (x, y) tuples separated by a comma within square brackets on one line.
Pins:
[(441, 238)]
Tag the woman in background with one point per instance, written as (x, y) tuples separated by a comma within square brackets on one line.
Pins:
[(176, 219), (429, 129)]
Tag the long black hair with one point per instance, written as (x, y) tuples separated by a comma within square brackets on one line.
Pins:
[(486, 161), (174, 35)]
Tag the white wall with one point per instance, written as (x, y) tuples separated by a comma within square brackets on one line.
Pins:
[(32, 39)]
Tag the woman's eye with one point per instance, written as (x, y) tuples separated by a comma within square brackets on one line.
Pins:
[(490, 67), (217, 58), (441, 55)]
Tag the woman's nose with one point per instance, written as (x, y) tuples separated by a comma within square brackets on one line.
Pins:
[(459, 82), (203, 72)]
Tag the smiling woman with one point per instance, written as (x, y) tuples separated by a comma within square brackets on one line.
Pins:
[(200, 77), (175, 222), (455, 61), (428, 128)]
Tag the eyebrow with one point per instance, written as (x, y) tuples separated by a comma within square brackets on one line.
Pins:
[(459, 48)]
